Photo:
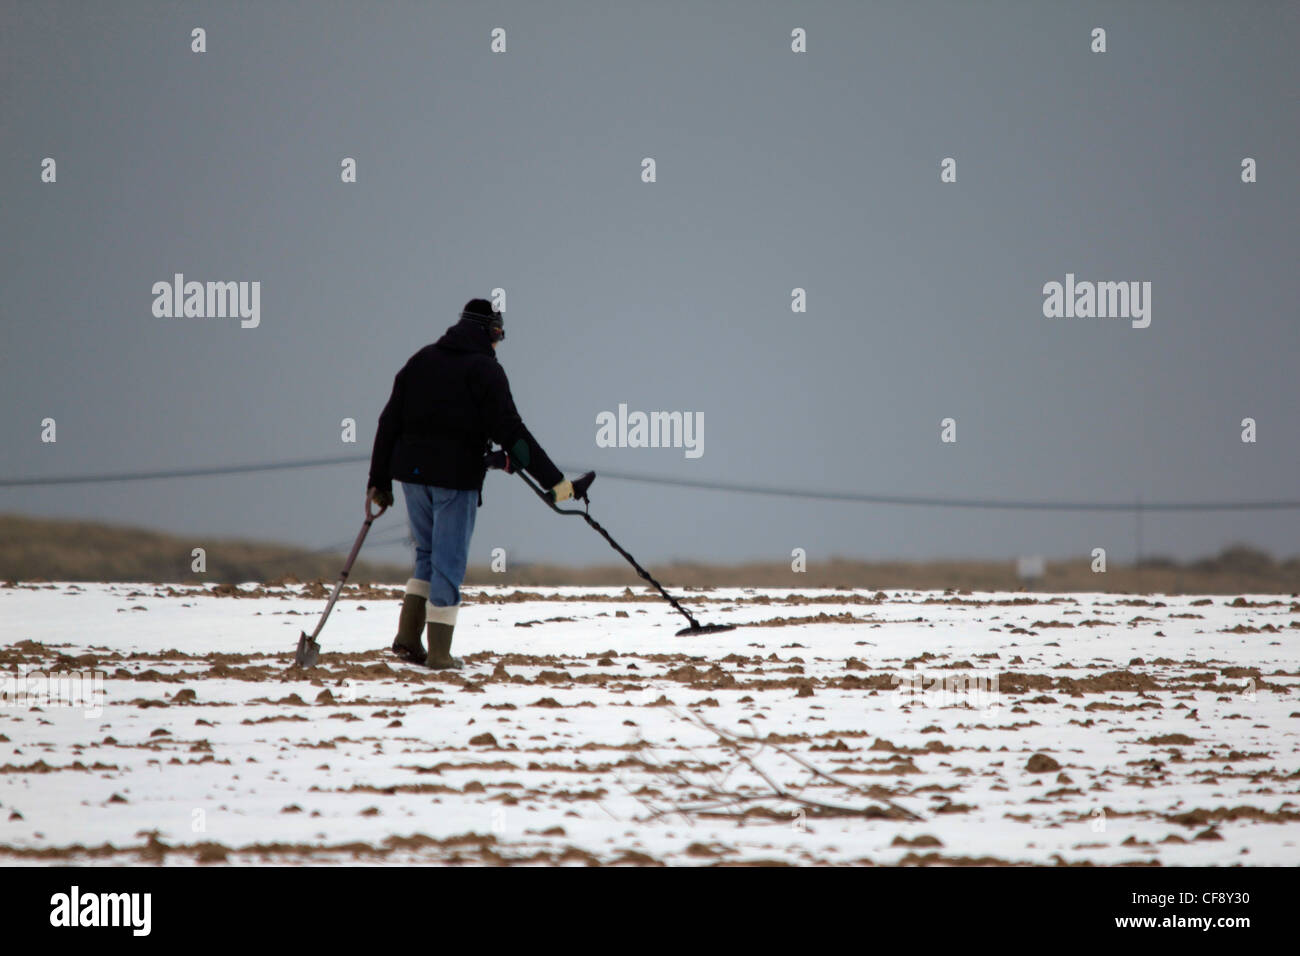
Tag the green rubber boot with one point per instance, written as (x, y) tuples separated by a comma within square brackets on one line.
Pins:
[(407, 644), (440, 647)]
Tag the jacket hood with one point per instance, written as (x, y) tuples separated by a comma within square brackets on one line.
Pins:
[(467, 336)]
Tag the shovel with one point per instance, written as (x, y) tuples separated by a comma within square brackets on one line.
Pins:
[(308, 652)]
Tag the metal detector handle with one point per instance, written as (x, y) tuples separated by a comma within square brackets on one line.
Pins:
[(581, 484), (584, 482)]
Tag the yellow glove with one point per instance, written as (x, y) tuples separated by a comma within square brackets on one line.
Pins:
[(562, 492)]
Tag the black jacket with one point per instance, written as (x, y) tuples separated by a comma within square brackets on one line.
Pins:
[(450, 401)]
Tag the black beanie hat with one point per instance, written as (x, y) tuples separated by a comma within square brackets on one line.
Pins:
[(481, 311)]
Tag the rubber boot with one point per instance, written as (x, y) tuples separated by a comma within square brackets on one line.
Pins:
[(407, 644), (440, 647)]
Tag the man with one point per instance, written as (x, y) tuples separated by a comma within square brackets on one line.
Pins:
[(450, 401)]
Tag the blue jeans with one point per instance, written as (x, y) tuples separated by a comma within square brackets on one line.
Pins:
[(442, 522)]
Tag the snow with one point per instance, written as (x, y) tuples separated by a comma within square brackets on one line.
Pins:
[(617, 772)]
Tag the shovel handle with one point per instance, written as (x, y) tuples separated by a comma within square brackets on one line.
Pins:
[(371, 517), (347, 567), (361, 537)]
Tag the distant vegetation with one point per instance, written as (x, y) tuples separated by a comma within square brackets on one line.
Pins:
[(54, 550), (36, 549)]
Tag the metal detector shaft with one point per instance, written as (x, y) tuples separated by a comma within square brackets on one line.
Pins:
[(695, 625)]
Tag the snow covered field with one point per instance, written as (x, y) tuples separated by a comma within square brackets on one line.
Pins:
[(1082, 728)]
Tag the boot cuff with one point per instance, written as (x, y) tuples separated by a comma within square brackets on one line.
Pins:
[(418, 588), (442, 615)]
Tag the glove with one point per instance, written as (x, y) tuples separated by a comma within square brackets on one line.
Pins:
[(562, 492), (382, 498), (499, 459)]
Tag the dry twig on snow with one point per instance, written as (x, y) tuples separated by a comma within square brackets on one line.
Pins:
[(718, 796)]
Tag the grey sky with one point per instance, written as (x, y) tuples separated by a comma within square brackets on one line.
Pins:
[(775, 170)]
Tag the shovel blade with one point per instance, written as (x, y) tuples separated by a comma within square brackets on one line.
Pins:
[(308, 652), (705, 629)]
